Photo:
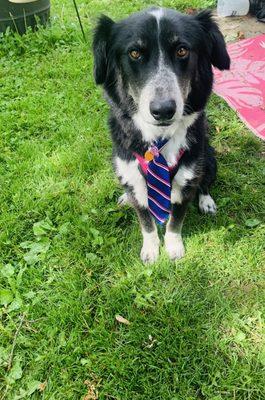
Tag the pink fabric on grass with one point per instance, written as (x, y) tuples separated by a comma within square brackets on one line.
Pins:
[(243, 87)]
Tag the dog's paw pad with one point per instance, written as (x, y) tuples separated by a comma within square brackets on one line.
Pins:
[(123, 200), (207, 204), (174, 246)]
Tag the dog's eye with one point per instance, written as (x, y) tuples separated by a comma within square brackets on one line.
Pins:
[(135, 54), (182, 52)]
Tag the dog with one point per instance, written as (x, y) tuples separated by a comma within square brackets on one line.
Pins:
[(156, 70)]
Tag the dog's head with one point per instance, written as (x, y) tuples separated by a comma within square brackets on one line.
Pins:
[(158, 63)]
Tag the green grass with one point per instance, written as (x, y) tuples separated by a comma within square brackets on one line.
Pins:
[(70, 257)]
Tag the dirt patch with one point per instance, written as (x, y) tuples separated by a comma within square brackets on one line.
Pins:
[(235, 28)]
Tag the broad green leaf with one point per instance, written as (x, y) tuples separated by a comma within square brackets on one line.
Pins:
[(32, 258), (85, 361), (15, 372), (62, 341), (37, 250), (6, 296), (7, 270), (41, 246), (240, 337), (252, 223), (42, 227), (15, 305), (30, 294), (64, 228), (26, 245), (95, 232)]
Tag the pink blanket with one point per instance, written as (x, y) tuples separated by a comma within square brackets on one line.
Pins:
[(243, 87)]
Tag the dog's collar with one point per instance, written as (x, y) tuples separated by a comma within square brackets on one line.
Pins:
[(143, 161)]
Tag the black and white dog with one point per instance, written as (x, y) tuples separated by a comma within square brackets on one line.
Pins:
[(156, 69)]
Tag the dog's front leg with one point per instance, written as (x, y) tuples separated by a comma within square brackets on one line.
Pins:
[(136, 195), (173, 239), (150, 248)]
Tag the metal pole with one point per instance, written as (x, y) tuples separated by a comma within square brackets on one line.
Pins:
[(79, 19)]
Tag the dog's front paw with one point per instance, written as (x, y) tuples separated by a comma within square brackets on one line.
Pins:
[(207, 204), (150, 249), (149, 253), (174, 245)]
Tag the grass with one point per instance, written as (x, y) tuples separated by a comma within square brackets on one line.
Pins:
[(70, 257)]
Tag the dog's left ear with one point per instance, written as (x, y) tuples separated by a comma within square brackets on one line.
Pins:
[(218, 53), (101, 48)]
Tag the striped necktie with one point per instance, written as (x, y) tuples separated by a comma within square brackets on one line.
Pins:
[(158, 183)]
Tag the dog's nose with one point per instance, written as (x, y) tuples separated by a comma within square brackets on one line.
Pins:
[(162, 109)]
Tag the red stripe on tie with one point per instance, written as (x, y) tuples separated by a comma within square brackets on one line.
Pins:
[(158, 191), (158, 178), (158, 204)]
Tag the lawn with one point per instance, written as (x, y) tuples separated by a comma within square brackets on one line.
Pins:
[(69, 258)]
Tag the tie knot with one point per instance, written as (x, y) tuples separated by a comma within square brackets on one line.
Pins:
[(154, 150)]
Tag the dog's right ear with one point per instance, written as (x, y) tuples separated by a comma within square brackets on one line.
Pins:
[(101, 47)]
